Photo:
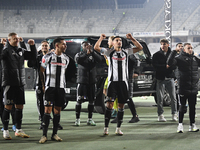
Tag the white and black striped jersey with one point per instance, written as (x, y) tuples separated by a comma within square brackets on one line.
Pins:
[(55, 69), (118, 63)]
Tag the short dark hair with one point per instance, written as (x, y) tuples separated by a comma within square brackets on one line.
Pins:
[(116, 37), (44, 41), (57, 40), (178, 44), (85, 42), (187, 44), (82, 44), (11, 34), (164, 41)]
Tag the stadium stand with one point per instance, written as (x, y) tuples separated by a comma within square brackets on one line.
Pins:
[(95, 17), (149, 18)]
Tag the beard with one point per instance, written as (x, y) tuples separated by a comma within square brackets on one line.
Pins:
[(119, 47), (44, 52)]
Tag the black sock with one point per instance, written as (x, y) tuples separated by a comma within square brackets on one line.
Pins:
[(5, 118), (131, 106), (90, 110), (18, 118), (78, 110), (120, 117), (56, 120), (107, 116), (45, 124), (13, 115)]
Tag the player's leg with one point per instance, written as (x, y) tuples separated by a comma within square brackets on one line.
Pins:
[(81, 97), (122, 90), (48, 104), (60, 100), (109, 105), (91, 98)]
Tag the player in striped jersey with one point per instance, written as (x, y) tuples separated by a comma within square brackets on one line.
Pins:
[(55, 64), (117, 76)]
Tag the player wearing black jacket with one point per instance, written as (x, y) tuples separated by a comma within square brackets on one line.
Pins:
[(188, 79), (13, 81), (86, 79)]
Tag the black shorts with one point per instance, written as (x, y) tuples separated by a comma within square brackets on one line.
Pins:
[(54, 96), (118, 89), (86, 92), (13, 95)]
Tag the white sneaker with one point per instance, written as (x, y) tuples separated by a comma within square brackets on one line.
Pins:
[(174, 117), (6, 135), (180, 128), (118, 131), (77, 122), (21, 133), (193, 128), (105, 131), (161, 118)]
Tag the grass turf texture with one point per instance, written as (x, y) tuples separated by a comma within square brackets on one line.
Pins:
[(147, 134)]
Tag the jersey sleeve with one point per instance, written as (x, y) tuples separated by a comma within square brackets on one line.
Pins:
[(44, 62), (129, 51), (105, 51)]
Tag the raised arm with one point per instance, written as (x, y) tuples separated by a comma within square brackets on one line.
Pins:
[(31, 55), (2, 44), (22, 43), (135, 42), (42, 72), (98, 43)]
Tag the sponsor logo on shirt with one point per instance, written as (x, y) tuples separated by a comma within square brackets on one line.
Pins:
[(43, 60), (58, 64), (119, 59)]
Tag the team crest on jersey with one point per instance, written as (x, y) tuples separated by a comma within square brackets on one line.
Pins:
[(43, 60), (90, 57), (39, 91), (64, 61), (20, 53)]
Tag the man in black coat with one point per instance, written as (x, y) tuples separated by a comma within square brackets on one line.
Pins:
[(188, 79), (86, 79), (165, 79), (179, 48), (13, 81)]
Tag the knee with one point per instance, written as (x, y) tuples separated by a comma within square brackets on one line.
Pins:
[(57, 110), (183, 108), (120, 106), (109, 105), (48, 110), (19, 106), (8, 107)]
